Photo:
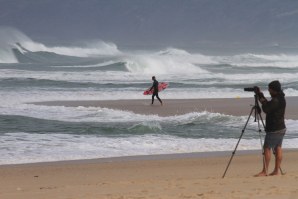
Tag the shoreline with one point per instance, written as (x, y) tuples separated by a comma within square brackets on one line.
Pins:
[(170, 156), (173, 107), (166, 176)]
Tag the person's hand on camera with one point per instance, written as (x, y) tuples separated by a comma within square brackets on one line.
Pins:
[(262, 98), (257, 89), (260, 95)]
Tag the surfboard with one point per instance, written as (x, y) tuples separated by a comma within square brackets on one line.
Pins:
[(161, 86)]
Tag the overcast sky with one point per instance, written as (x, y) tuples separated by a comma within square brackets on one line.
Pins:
[(155, 22)]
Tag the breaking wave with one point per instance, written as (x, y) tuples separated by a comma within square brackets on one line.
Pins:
[(14, 43)]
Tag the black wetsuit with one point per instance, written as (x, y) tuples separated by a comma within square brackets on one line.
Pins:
[(155, 91)]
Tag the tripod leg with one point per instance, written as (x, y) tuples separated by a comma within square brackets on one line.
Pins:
[(259, 117), (233, 153), (281, 171)]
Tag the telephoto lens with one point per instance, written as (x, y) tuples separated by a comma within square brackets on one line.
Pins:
[(251, 89)]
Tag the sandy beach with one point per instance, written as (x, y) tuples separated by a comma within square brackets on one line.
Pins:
[(171, 107), (76, 120), (197, 175), (165, 177)]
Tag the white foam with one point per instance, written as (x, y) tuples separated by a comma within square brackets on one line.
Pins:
[(8, 37), (7, 56), (174, 51), (170, 60), (98, 114), (161, 64), (11, 101), (129, 78), (24, 147), (259, 60), (93, 49)]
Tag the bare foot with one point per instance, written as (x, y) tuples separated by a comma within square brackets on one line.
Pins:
[(260, 174), (274, 173)]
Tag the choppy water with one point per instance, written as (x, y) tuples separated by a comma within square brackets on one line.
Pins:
[(33, 133)]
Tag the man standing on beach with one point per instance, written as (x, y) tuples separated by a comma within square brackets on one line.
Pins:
[(155, 90), (275, 125)]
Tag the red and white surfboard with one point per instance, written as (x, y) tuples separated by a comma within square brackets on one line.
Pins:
[(161, 86)]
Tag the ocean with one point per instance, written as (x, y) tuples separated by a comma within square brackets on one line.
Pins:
[(34, 72)]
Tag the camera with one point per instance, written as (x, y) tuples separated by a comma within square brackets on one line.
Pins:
[(253, 89)]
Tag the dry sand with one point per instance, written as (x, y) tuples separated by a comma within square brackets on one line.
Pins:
[(156, 177), (162, 177)]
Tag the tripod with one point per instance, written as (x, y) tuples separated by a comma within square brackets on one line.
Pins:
[(258, 117)]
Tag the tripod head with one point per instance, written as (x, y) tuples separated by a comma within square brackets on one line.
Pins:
[(258, 95)]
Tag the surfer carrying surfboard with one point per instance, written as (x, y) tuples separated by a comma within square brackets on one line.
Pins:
[(155, 90)]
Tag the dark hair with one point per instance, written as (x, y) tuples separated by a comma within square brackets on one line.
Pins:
[(153, 77), (275, 85)]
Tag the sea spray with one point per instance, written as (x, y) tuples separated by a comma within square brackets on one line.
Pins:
[(34, 133)]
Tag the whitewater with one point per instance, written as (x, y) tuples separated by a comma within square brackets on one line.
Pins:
[(34, 72)]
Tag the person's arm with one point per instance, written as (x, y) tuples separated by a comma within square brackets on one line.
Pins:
[(261, 96), (270, 106), (155, 85), (267, 106), (152, 87)]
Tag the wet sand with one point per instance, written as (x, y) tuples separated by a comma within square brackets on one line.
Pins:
[(196, 175), (171, 107)]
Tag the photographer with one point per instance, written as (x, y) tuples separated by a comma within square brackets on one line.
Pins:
[(275, 125)]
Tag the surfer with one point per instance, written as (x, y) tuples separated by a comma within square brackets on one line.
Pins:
[(155, 90)]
